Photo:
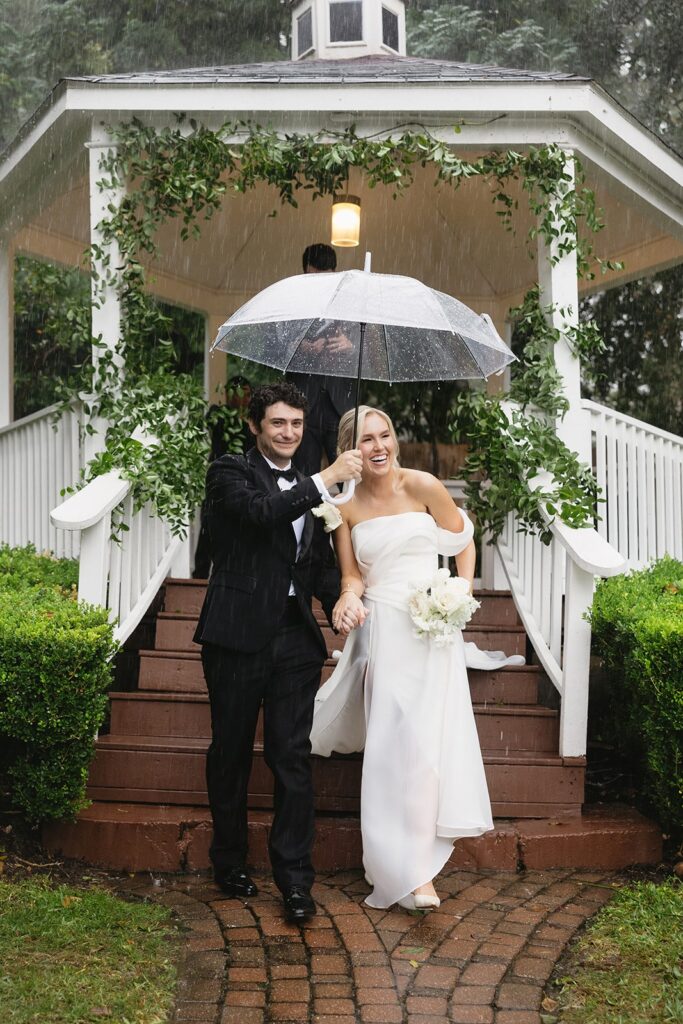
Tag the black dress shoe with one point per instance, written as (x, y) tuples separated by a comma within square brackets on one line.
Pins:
[(298, 904), (235, 882)]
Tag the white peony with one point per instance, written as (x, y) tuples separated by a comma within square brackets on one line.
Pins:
[(441, 609), (330, 515)]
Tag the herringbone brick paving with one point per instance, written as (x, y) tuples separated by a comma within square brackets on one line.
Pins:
[(483, 957)]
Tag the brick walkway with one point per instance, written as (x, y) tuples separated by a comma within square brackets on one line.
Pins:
[(482, 958)]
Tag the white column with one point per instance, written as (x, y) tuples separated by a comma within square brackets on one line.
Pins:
[(106, 263), (559, 288), (106, 313), (6, 331)]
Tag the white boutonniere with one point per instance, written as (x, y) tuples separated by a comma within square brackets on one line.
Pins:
[(329, 514)]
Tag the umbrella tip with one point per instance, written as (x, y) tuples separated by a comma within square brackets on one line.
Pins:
[(368, 261)]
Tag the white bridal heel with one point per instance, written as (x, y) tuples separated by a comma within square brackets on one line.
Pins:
[(417, 901)]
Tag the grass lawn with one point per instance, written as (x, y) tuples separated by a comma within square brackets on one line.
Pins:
[(628, 966), (82, 956)]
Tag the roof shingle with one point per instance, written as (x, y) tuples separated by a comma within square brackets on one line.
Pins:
[(392, 69)]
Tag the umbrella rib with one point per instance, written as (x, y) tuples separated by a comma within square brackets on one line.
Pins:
[(386, 348), (299, 341)]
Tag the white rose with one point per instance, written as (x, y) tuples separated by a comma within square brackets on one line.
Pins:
[(330, 515)]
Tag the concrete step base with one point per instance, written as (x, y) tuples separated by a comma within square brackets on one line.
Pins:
[(137, 837)]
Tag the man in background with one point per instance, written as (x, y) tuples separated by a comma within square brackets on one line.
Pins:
[(328, 397)]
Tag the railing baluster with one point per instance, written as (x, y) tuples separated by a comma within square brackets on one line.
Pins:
[(631, 492), (669, 515), (643, 525)]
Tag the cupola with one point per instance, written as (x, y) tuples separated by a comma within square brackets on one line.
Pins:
[(335, 29)]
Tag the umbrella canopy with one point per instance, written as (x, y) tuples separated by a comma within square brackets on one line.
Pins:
[(314, 323)]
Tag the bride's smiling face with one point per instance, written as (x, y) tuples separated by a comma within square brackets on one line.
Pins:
[(377, 446)]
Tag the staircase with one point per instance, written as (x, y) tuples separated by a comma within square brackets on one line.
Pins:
[(150, 809)]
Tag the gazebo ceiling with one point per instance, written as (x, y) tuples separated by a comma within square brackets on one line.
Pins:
[(452, 239)]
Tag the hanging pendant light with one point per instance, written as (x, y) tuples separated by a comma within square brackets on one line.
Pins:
[(345, 221)]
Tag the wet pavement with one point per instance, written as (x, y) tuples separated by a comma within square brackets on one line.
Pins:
[(483, 957)]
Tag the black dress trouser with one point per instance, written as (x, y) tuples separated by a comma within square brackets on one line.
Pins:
[(283, 677)]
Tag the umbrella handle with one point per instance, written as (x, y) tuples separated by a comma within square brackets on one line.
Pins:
[(346, 494)]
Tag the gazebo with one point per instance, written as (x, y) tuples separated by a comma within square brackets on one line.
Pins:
[(349, 67)]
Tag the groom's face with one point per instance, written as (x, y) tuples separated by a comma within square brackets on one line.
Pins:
[(279, 433)]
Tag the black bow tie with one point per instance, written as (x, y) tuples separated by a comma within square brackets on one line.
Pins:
[(288, 474)]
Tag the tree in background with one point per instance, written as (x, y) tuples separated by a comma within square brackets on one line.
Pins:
[(632, 49), (640, 371)]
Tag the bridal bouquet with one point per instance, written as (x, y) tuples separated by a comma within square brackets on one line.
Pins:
[(441, 608)]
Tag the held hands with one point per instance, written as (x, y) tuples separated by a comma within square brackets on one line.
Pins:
[(348, 613), (347, 466)]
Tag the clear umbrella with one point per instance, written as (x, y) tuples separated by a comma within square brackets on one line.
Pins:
[(358, 324)]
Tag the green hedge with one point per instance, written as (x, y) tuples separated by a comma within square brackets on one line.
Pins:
[(55, 670), (637, 625)]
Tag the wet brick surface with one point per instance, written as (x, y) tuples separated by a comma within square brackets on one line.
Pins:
[(483, 957)]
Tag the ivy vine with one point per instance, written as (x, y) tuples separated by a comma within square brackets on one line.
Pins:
[(512, 436), (184, 172)]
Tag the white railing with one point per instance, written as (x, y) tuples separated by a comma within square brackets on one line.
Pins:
[(39, 457), (640, 471), (552, 587), (123, 570)]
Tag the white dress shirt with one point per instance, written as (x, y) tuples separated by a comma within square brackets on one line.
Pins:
[(286, 485)]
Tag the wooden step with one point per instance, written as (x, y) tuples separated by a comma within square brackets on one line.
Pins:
[(185, 597), (139, 837), (181, 672), (175, 631), (157, 769), (187, 715)]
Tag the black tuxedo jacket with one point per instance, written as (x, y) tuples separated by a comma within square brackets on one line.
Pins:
[(341, 390), (254, 554)]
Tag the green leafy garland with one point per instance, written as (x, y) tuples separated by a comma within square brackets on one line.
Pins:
[(184, 172), (513, 436)]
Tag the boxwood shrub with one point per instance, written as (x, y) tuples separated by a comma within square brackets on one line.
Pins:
[(55, 670), (637, 625)]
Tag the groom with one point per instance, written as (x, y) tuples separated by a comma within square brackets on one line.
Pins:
[(261, 644)]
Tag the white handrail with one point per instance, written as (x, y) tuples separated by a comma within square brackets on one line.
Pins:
[(122, 569), (552, 587)]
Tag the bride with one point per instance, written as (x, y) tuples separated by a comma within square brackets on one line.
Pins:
[(404, 700)]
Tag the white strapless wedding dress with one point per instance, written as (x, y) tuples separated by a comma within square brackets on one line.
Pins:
[(406, 703)]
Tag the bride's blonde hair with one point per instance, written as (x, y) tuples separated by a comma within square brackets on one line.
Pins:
[(345, 435)]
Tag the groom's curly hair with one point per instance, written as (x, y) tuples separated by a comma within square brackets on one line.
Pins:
[(270, 394)]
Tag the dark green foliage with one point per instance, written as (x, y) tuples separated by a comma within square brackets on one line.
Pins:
[(639, 370), (632, 49), (21, 568), (51, 331), (637, 623), (54, 675)]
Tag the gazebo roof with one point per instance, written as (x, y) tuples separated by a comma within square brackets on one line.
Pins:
[(375, 68), (447, 233)]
